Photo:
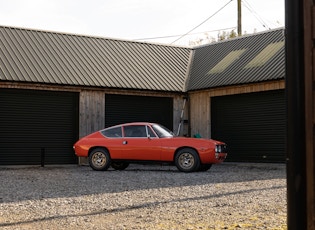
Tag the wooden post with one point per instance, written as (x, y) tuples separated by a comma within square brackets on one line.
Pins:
[(239, 17)]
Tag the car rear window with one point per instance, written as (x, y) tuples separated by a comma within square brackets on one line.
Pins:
[(112, 132)]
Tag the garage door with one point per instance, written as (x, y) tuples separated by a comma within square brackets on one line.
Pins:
[(122, 108), (32, 122), (253, 125)]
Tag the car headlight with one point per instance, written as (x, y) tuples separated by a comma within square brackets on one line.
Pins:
[(220, 148)]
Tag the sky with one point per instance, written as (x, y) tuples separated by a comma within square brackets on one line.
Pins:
[(157, 21)]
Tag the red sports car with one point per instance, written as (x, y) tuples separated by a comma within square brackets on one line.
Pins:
[(120, 145)]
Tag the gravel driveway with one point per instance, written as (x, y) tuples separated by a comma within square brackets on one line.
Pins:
[(228, 196)]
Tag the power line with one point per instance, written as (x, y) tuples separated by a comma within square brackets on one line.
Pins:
[(246, 4), (255, 14), (172, 36), (202, 22)]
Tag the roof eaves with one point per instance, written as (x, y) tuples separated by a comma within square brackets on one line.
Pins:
[(237, 38)]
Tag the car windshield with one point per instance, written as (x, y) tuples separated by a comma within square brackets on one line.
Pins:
[(161, 131)]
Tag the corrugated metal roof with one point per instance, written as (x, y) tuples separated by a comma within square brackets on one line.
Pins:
[(57, 58), (247, 59)]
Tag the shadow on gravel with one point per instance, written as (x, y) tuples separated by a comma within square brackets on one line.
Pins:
[(36, 183), (136, 207)]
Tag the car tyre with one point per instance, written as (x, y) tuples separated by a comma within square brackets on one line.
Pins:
[(187, 160), (119, 165), (99, 159), (204, 167)]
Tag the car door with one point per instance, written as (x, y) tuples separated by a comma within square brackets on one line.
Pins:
[(113, 141), (140, 143)]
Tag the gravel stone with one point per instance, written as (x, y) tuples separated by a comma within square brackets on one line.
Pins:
[(228, 196)]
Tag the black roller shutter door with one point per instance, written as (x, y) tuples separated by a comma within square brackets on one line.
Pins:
[(122, 108), (34, 120), (253, 125)]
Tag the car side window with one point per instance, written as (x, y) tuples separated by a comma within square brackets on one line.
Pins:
[(135, 131), (113, 132), (150, 132)]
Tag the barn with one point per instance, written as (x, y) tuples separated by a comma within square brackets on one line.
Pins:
[(57, 87), (236, 93)]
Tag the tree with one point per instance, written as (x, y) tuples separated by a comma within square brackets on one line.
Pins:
[(226, 35), (207, 38)]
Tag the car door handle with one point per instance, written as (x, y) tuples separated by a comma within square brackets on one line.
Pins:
[(125, 142)]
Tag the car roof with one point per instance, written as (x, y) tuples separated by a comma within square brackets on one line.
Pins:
[(132, 123), (138, 123)]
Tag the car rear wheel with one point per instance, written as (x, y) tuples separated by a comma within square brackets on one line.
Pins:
[(187, 160), (119, 165), (99, 159)]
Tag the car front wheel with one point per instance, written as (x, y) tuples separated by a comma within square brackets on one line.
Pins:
[(187, 160), (99, 159)]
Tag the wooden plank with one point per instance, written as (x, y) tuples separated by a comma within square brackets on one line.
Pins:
[(200, 114), (92, 111)]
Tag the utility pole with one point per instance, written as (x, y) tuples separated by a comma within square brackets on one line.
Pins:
[(239, 17)]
